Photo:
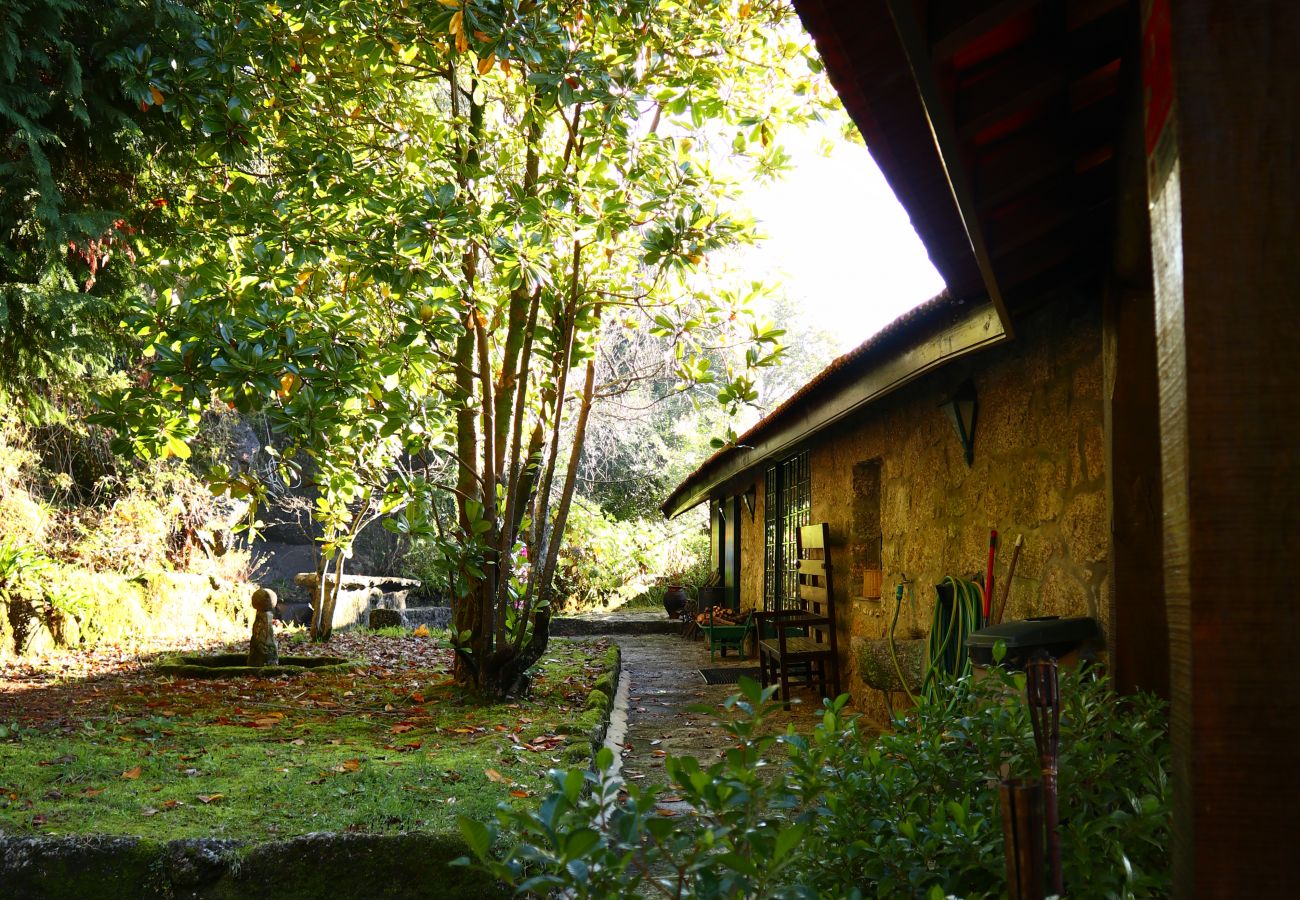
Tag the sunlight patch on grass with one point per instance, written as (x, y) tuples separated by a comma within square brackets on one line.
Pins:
[(390, 749)]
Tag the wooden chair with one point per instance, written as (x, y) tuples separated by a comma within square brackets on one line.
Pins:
[(800, 642)]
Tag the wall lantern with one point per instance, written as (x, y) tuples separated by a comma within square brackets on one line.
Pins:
[(962, 407)]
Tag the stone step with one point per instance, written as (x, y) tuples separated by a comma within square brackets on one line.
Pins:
[(592, 626)]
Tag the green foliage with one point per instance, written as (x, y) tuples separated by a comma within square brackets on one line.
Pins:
[(130, 555), (403, 226), (21, 568), (79, 129), (913, 813), (607, 562)]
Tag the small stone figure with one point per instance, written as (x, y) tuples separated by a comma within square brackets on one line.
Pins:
[(261, 649)]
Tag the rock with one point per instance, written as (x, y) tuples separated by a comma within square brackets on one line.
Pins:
[(293, 614), (264, 600), (67, 630), (386, 618)]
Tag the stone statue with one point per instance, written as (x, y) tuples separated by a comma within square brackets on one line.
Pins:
[(261, 649)]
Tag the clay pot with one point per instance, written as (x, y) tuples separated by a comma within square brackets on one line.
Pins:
[(675, 599)]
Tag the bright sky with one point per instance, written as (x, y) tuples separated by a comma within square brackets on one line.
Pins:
[(839, 240)]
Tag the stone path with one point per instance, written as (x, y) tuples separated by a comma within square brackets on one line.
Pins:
[(652, 718)]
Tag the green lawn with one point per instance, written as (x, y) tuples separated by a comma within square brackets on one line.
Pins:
[(390, 748)]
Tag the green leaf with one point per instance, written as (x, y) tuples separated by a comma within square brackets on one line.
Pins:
[(787, 840), (476, 835)]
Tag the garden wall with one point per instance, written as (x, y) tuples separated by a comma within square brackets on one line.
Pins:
[(894, 486)]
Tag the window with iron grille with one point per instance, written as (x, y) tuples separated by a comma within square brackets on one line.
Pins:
[(787, 505)]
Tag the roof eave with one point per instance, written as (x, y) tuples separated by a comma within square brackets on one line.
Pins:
[(976, 329)]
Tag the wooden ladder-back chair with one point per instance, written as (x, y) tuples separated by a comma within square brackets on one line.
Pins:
[(800, 641)]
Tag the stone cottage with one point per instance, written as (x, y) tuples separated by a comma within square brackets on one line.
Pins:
[(868, 447), (1108, 189)]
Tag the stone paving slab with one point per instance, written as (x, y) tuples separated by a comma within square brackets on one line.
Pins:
[(652, 716), (617, 622)]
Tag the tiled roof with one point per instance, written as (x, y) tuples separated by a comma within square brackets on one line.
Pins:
[(909, 328)]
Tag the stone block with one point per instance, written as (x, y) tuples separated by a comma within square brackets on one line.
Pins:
[(293, 614), (386, 618), (1094, 452), (1085, 527), (440, 617), (1061, 593)]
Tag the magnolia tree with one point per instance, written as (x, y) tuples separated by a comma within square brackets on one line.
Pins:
[(406, 232)]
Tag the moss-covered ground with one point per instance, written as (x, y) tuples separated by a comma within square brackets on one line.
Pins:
[(393, 747)]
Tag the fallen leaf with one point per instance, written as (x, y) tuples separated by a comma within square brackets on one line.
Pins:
[(670, 798), (93, 792), (132, 773), (401, 728), (298, 742), (39, 819), (351, 765), (422, 631), (521, 794), (205, 799), (665, 812), (496, 777), (148, 811), (659, 753)]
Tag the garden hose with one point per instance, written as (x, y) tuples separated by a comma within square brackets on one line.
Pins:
[(893, 626), (953, 622)]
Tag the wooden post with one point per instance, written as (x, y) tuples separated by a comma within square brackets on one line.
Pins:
[(1222, 144), (1022, 833)]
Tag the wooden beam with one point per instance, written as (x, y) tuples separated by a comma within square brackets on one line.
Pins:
[(916, 49), (1223, 134), (1018, 165), (1030, 81), (957, 24)]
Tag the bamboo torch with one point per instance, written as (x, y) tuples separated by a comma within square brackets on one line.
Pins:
[(1044, 700)]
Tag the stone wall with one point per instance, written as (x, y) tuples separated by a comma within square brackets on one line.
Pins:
[(1038, 471)]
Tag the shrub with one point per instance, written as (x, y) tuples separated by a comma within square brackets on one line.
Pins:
[(913, 813), (604, 561)]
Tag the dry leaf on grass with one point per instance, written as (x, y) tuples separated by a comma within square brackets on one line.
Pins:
[(132, 773), (205, 799)]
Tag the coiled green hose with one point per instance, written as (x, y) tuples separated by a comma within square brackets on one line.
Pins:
[(953, 622)]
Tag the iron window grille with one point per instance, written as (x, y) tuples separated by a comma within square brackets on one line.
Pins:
[(787, 505)]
